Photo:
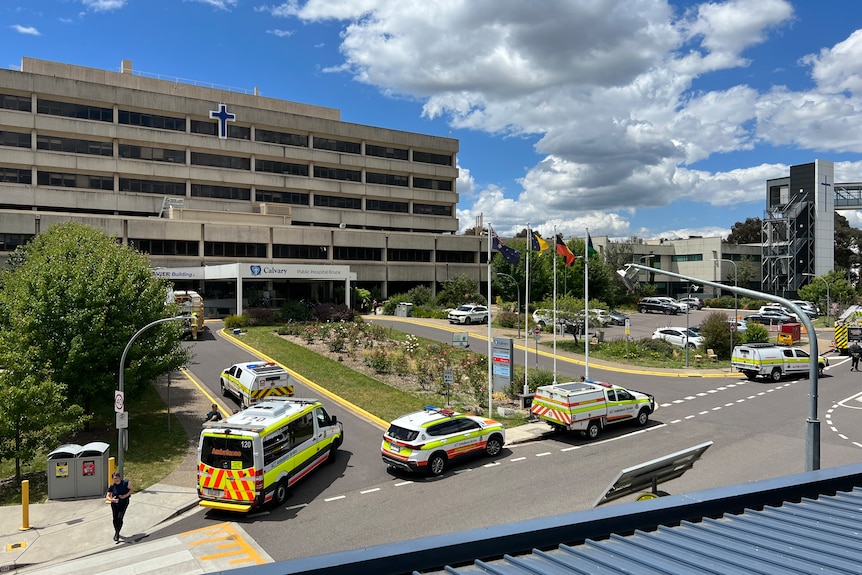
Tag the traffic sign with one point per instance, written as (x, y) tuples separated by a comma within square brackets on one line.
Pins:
[(119, 401), (537, 330), (122, 419)]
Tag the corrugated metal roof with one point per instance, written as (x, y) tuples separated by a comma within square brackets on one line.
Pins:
[(822, 536)]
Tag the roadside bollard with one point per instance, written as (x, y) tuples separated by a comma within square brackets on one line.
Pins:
[(25, 505), (111, 467)]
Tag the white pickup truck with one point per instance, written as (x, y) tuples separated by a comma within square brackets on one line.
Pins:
[(773, 361), (588, 406)]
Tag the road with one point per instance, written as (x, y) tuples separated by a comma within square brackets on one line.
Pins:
[(757, 429)]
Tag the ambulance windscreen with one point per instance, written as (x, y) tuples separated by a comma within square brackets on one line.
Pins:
[(227, 452)]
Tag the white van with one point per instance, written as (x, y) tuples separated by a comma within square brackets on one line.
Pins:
[(254, 381)]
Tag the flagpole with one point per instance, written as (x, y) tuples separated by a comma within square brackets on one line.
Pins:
[(527, 308), (490, 349), (554, 327), (587, 305)]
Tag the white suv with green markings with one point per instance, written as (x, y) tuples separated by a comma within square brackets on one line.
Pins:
[(428, 440)]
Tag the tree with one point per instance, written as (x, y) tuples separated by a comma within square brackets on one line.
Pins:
[(73, 304), (34, 414), (458, 291), (848, 241), (748, 232)]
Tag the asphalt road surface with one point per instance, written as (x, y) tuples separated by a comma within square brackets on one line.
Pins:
[(758, 431)]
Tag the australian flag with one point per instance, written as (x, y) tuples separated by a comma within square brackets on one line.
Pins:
[(511, 255)]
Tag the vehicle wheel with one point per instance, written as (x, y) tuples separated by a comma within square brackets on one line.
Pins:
[(666, 312), (542, 324), (776, 374), (494, 445), (224, 391), (280, 493), (485, 319), (643, 417), (752, 375), (466, 321), (642, 310), (436, 465), (333, 453), (593, 430), (820, 370)]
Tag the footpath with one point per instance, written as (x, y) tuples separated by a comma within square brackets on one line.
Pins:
[(71, 536)]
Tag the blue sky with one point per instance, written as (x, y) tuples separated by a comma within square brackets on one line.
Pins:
[(647, 118)]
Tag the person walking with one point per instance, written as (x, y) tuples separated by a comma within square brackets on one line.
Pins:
[(119, 493), (855, 353)]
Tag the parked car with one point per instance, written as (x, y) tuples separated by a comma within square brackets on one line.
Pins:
[(617, 318), (679, 336), (809, 308), (657, 305), (693, 302), (545, 317), (769, 318), (469, 313), (775, 308), (683, 307)]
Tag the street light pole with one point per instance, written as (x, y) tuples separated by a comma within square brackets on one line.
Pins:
[(735, 301), (122, 369), (518, 289), (828, 304)]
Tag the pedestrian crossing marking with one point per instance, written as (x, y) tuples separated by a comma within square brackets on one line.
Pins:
[(228, 540)]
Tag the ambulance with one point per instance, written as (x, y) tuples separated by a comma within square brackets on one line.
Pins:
[(773, 361), (191, 305), (255, 381), (589, 406), (254, 456)]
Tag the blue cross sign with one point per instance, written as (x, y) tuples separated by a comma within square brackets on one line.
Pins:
[(825, 185), (223, 118)]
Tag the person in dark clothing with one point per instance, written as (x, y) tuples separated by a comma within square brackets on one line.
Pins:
[(213, 415), (118, 495), (855, 354)]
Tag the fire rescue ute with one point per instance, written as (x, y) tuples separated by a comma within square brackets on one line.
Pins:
[(254, 456), (427, 440), (588, 406), (255, 381)]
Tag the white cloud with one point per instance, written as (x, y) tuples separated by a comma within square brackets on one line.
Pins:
[(29, 30), (103, 5), (280, 33), (220, 4), (611, 89)]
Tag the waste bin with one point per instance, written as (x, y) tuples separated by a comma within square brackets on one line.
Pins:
[(91, 466), (793, 329), (404, 309), (62, 483)]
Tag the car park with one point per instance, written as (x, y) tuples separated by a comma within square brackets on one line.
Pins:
[(657, 305), (678, 336), (693, 302), (428, 440), (469, 313)]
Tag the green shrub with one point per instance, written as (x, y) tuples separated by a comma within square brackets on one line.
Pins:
[(507, 319), (235, 321), (755, 333), (293, 310)]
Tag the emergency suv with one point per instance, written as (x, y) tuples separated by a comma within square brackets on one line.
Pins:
[(255, 381), (254, 456), (428, 440)]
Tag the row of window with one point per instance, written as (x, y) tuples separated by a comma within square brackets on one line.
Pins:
[(210, 128), (284, 251), (168, 188), (127, 151)]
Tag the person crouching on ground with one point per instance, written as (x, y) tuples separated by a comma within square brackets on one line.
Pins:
[(118, 494)]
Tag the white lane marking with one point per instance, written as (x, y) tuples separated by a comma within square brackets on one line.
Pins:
[(399, 484), (543, 454), (336, 498), (518, 459), (369, 491)]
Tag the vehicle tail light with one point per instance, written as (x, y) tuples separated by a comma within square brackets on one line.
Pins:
[(258, 480)]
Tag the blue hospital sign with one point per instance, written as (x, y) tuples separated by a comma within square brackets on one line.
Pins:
[(223, 117)]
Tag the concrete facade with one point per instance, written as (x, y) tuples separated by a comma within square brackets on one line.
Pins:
[(199, 176)]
